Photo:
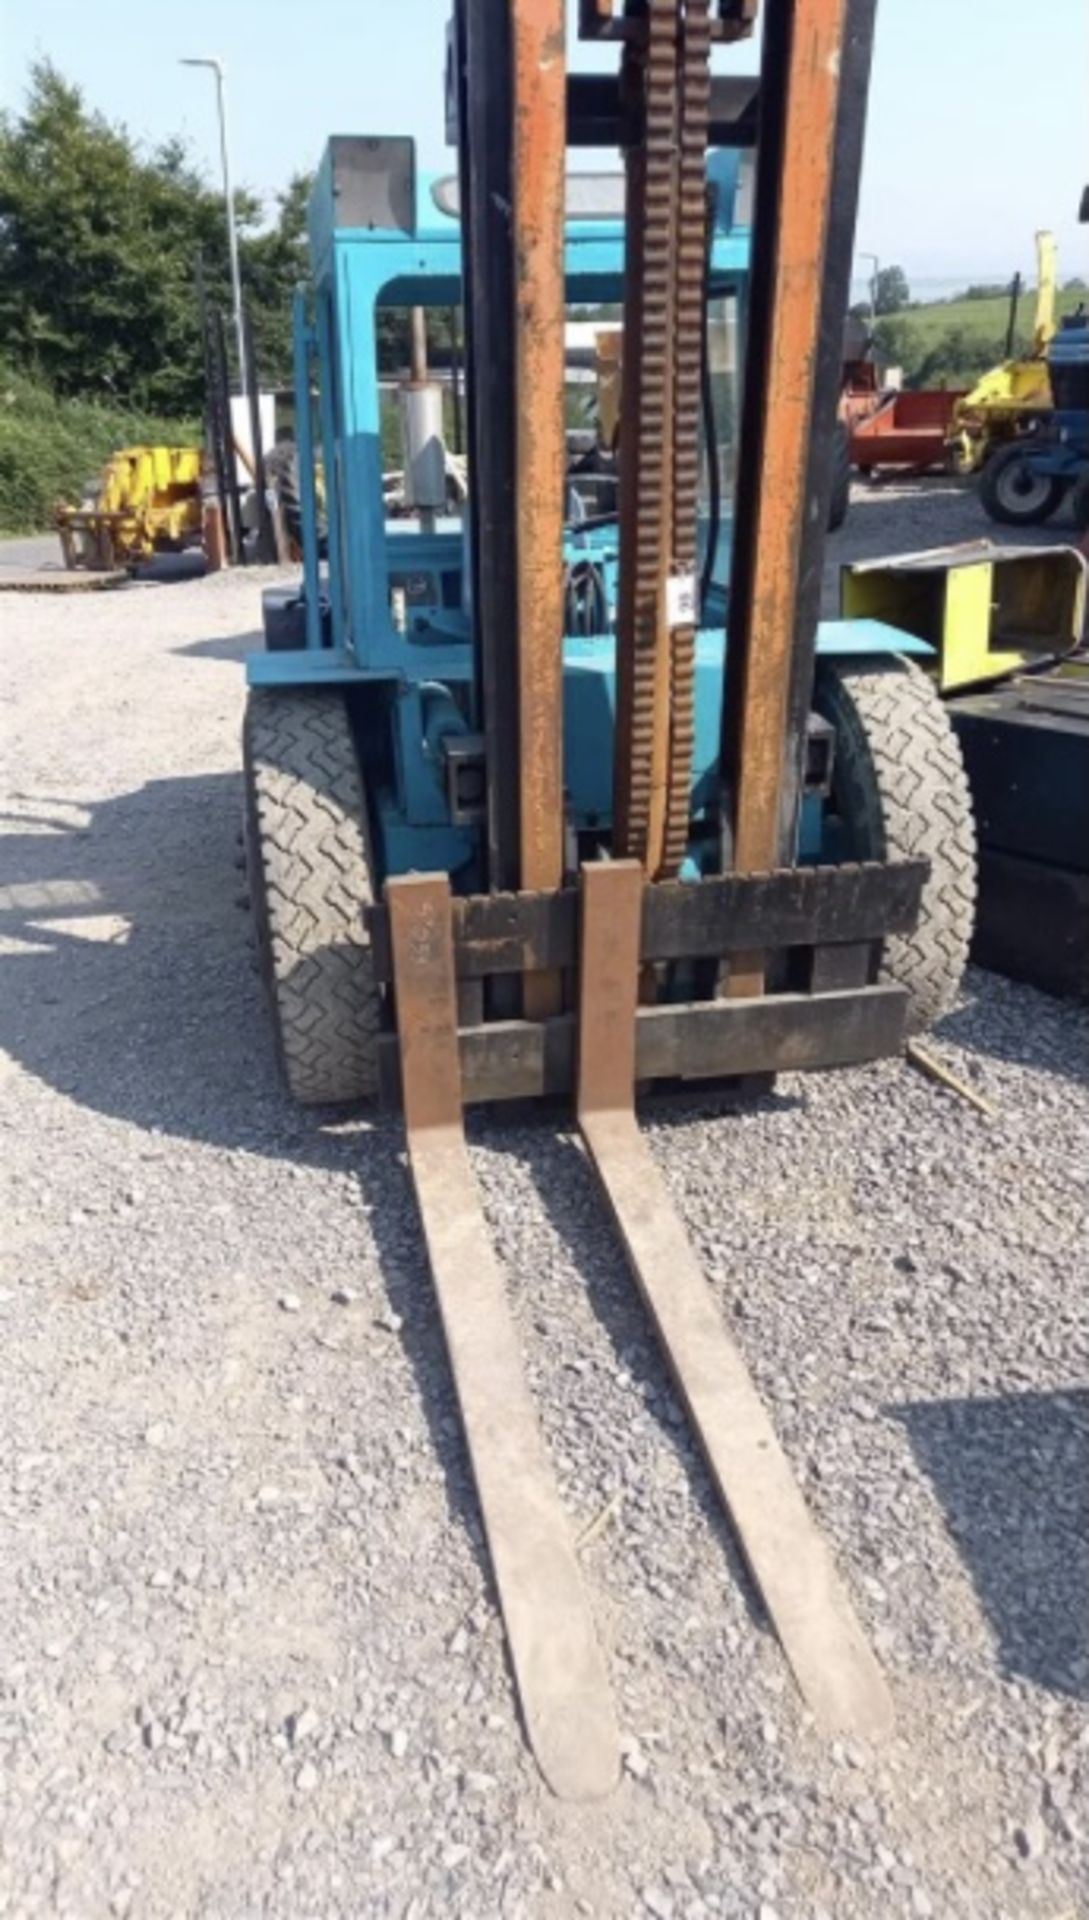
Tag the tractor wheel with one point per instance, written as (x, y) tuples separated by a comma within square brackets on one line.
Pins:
[(310, 876), (1014, 493), (840, 497), (900, 792)]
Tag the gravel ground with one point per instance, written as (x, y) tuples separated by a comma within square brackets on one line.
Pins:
[(249, 1657)]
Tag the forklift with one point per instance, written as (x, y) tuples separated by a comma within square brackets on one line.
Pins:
[(545, 804)]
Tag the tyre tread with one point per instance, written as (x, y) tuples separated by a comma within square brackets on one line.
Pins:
[(907, 796), (311, 875)]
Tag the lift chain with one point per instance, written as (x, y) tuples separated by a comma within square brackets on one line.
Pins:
[(660, 423), (642, 684), (689, 295)]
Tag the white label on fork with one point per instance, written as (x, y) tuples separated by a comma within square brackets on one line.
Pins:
[(680, 599)]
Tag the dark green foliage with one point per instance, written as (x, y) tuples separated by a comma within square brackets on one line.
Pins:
[(273, 264), (98, 246), (890, 290), (957, 358)]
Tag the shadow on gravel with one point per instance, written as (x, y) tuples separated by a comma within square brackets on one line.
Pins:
[(232, 646), (127, 983), (569, 1196), (1017, 1024), (386, 1186), (127, 973), (1012, 1474)]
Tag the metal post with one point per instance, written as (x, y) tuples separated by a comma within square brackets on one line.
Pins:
[(418, 356), (216, 429), (537, 114), (228, 195), (1011, 323), (266, 537), (807, 179), (455, 378), (483, 54), (219, 343), (303, 338)]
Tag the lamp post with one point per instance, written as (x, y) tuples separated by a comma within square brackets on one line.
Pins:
[(232, 236), (872, 257)]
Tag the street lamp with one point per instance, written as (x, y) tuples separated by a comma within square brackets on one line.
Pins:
[(873, 287), (232, 237)]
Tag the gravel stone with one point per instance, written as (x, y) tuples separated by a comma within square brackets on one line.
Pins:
[(904, 1276), (658, 1902), (1031, 1838)]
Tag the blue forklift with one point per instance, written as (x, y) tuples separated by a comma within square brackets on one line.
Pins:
[(552, 796)]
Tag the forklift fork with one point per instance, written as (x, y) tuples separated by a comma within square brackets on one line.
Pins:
[(558, 1665), (836, 1672)]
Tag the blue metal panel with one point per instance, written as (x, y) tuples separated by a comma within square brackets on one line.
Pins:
[(812, 841), (303, 342), (424, 714), (854, 637), (305, 667), (357, 269), (366, 592), (589, 695), (401, 848), (331, 469)]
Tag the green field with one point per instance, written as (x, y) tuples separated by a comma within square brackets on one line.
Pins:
[(952, 342)]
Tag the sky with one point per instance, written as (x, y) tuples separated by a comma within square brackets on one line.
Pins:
[(977, 135)]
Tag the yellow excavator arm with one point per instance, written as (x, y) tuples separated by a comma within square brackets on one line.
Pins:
[(1046, 256)]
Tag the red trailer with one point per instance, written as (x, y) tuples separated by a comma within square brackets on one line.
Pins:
[(907, 430)]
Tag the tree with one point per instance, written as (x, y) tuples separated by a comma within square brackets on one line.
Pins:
[(272, 265), (890, 290), (98, 249)]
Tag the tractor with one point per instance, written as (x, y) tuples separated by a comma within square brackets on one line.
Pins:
[(548, 802), (1025, 482)]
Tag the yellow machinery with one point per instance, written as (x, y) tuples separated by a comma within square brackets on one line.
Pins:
[(988, 612), (148, 501), (1007, 397)]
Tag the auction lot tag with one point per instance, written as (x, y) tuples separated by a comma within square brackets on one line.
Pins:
[(681, 600)]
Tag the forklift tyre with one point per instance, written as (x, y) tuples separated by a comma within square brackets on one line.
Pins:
[(310, 876), (899, 787), (840, 497), (1013, 494)]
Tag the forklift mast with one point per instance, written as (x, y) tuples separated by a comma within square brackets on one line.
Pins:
[(581, 971)]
